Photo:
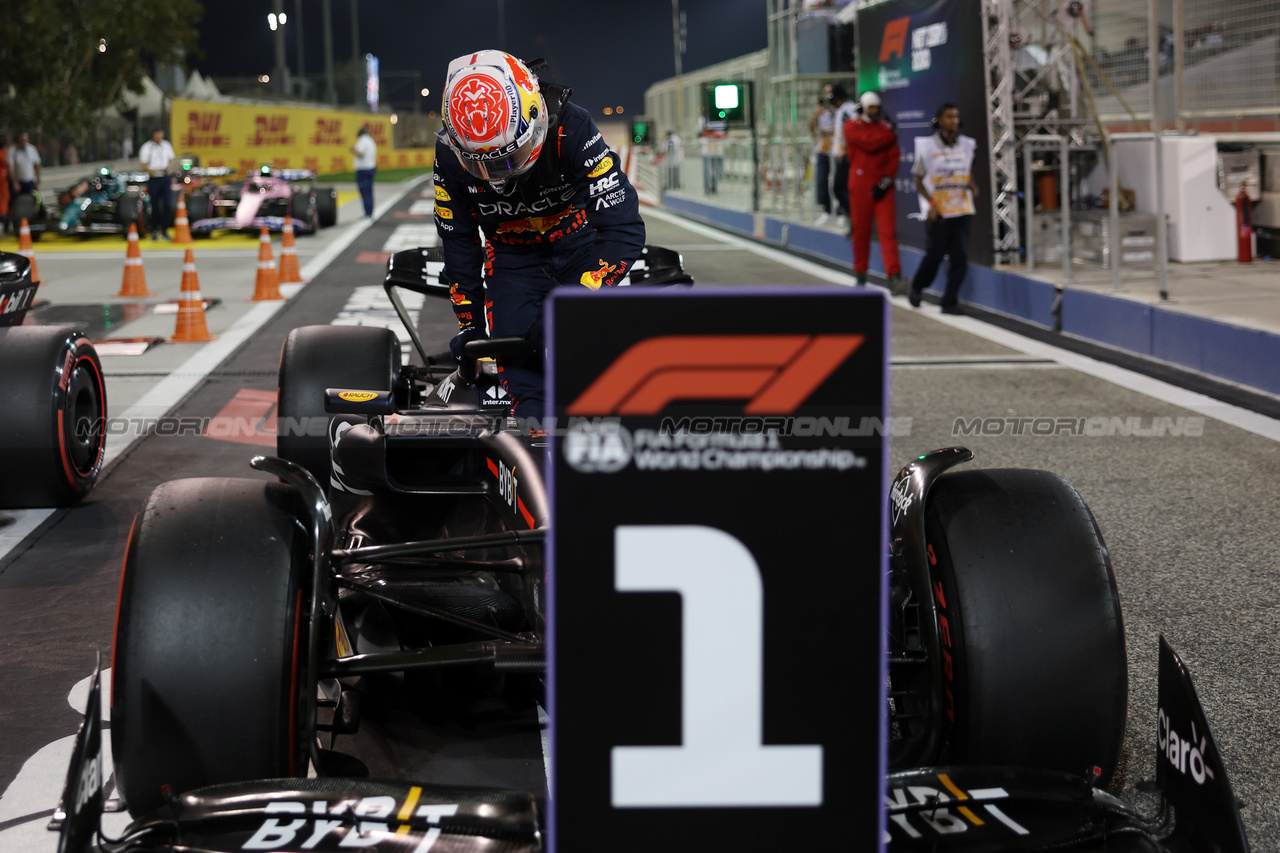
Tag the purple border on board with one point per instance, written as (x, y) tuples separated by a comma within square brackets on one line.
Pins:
[(678, 292)]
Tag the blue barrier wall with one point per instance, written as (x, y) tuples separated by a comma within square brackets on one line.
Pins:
[(1237, 354)]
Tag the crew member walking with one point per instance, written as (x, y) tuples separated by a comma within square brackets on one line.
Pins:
[(365, 165), (843, 113), (944, 178), (156, 155), (872, 146)]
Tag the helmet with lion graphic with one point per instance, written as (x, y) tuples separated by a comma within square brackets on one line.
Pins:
[(495, 118)]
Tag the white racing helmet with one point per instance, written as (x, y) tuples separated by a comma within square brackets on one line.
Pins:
[(495, 118)]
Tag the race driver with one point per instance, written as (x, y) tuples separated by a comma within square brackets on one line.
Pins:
[(528, 197)]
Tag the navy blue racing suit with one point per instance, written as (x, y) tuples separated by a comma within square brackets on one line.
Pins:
[(574, 219)]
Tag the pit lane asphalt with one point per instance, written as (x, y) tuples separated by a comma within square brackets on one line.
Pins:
[(1189, 521)]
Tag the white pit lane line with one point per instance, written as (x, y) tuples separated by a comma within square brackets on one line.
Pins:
[(1155, 388), (172, 389)]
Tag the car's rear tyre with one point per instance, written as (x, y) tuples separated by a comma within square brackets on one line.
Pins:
[(53, 432), (24, 206), (1033, 625), (302, 207), (211, 633), (198, 207), (130, 211), (318, 357), (327, 206)]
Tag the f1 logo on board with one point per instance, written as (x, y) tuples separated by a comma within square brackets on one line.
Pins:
[(775, 373), (895, 39)]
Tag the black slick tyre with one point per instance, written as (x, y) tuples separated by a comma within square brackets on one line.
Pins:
[(25, 206), (318, 357), (302, 207), (53, 434), (210, 637), (327, 206), (199, 206), (1033, 631)]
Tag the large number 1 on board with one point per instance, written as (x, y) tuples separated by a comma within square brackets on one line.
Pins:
[(721, 761)]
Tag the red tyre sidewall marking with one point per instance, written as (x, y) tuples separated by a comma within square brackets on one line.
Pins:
[(115, 634), (293, 686), (63, 438)]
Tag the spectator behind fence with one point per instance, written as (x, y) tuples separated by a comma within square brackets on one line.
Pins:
[(671, 157), (844, 112), (821, 127), (943, 169), (712, 142)]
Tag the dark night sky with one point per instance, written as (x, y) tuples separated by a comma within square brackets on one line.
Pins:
[(609, 52)]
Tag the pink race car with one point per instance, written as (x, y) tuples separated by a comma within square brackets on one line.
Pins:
[(264, 200)]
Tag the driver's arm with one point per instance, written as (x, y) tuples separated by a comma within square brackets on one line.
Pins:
[(460, 239), (607, 196)]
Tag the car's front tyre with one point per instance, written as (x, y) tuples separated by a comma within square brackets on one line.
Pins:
[(211, 635)]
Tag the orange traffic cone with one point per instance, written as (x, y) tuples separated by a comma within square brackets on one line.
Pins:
[(267, 286), (289, 272), (181, 227), (27, 251), (135, 278), (191, 326)]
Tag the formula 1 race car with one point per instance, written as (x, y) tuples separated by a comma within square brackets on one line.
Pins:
[(53, 435), (105, 202), (398, 541), (263, 201)]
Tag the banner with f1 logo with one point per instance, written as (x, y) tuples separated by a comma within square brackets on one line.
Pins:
[(718, 483)]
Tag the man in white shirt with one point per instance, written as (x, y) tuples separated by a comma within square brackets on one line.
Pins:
[(24, 165), (157, 156), (943, 170), (365, 165), (845, 110)]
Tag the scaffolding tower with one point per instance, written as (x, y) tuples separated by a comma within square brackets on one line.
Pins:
[(1032, 53)]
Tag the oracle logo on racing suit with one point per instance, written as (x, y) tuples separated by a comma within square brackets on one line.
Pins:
[(506, 208), (1187, 756), (307, 830)]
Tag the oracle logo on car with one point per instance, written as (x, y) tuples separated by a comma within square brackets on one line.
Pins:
[(774, 373)]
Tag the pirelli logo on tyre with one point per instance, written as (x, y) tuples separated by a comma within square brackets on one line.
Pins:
[(774, 374)]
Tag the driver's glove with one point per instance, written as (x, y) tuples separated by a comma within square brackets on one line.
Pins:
[(458, 341)]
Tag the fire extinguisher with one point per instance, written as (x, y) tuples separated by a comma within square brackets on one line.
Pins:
[(1244, 227)]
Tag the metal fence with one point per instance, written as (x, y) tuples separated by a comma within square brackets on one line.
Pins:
[(1215, 60)]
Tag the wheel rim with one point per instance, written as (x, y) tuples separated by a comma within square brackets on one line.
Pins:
[(85, 435)]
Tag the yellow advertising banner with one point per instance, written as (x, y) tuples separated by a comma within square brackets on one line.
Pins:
[(245, 137)]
